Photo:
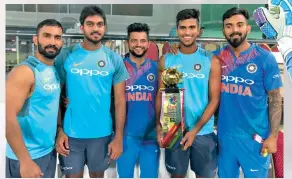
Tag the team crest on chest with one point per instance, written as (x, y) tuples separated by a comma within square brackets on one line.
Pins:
[(197, 67), (251, 68), (101, 63), (47, 75), (150, 77)]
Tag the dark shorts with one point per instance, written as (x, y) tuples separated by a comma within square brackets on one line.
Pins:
[(90, 152), (46, 163), (202, 156)]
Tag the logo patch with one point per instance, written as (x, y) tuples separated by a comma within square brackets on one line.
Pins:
[(150, 77), (101, 63), (251, 68), (197, 67), (77, 64)]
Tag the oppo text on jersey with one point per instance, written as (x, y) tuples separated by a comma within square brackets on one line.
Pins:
[(240, 87), (88, 72), (51, 87), (139, 87), (192, 75), (237, 79)]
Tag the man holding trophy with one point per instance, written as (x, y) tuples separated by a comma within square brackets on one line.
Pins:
[(189, 84)]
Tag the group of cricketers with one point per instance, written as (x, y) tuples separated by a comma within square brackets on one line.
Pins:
[(242, 79)]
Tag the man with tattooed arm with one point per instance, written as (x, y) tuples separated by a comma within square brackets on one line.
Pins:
[(251, 105)]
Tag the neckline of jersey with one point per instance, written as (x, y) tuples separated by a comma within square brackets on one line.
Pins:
[(251, 47), (197, 51), (90, 51), (134, 64), (35, 58)]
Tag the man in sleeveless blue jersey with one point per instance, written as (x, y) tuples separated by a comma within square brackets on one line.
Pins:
[(140, 142), (251, 104), (89, 70), (201, 81), (32, 98)]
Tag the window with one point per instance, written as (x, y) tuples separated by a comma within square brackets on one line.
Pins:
[(77, 8), (14, 7), (56, 8), (29, 7), (214, 12), (132, 9)]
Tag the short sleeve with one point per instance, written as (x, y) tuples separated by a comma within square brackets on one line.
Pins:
[(272, 76), (121, 73)]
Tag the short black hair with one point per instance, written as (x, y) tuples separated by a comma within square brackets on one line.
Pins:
[(91, 10), (49, 22), (138, 27), (187, 14), (235, 11)]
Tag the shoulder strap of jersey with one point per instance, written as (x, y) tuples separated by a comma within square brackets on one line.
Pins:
[(31, 62)]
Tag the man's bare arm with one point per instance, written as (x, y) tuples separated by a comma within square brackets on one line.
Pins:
[(120, 108), (275, 111), (61, 110), (214, 94), (18, 87)]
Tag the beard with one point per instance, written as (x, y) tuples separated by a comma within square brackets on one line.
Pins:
[(48, 55), (138, 55), (236, 42), (94, 41), (188, 45)]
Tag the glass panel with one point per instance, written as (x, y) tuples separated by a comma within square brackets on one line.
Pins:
[(77, 8), (30, 7), (132, 9), (13, 7), (59, 8)]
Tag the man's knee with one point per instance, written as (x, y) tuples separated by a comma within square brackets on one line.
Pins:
[(96, 174)]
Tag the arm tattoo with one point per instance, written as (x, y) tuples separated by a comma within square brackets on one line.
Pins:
[(275, 110)]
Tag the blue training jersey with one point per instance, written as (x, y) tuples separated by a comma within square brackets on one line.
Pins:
[(246, 81), (89, 76), (141, 91), (39, 114), (196, 69)]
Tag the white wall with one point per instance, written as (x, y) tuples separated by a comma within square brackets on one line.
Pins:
[(160, 23)]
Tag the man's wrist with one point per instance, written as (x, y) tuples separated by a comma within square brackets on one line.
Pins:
[(24, 159), (119, 136), (158, 124), (59, 128), (274, 135), (194, 131)]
